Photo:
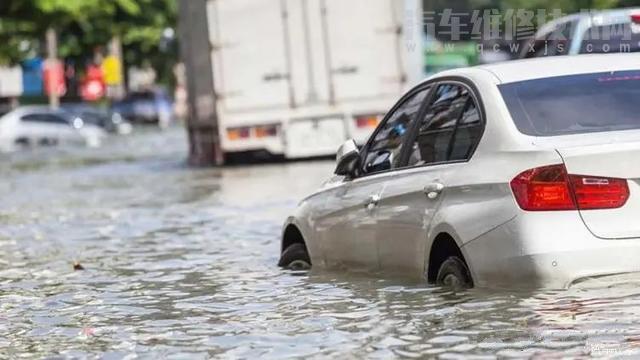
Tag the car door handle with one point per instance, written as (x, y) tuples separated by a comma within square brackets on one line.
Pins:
[(372, 202), (433, 190)]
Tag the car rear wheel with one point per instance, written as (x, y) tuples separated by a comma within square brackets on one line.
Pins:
[(454, 273), (295, 257)]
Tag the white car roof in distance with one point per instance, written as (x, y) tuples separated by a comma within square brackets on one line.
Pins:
[(604, 17), (552, 66)]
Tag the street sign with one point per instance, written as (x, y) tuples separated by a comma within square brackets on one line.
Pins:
[(93, 87), (54, 78), (112, 69)]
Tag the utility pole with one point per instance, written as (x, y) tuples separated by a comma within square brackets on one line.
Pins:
[(52, 59), (195, 49)]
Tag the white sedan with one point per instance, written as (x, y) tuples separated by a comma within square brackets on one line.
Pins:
[(41, 126), (523, 172)]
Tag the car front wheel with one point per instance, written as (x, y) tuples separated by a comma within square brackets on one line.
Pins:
[(295, 257)]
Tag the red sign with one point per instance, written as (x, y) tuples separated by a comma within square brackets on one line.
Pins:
[(93, 87), (54, 78)]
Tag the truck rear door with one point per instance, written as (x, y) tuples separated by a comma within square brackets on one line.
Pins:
[(363, 45), (250, 61)]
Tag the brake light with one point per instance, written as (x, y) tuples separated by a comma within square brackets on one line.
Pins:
[(551, 188), (544, 188), (367, 121), (635, 18), (259, 132), (599, 193), (266, 131), (238, 133)]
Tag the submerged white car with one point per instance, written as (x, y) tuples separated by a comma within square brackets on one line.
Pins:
[(42, 126), (526, 172)]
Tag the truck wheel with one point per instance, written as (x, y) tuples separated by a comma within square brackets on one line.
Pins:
[(453, 273), (295, 257)]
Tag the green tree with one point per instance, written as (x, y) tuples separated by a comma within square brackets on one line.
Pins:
[(84, 25)]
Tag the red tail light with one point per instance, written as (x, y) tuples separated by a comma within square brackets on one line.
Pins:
[(635, 18), (266, 131), (239, 133), (551, 188), (367, 121), (599, 193)]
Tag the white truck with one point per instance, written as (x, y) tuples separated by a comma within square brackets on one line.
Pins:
[(296, 78)]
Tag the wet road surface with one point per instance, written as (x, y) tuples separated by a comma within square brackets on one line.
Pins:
[(180, 263)]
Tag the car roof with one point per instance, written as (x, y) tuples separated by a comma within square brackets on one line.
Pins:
[(603, 17), (553, 66), (41, 109)]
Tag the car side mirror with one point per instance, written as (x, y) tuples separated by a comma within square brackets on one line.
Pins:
[(347, 159)]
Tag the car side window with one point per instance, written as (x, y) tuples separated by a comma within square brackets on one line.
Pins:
[(467, 134), (45, 118), (30, 118), (384, 150), (562, 36), (450, 129), (540, 47)]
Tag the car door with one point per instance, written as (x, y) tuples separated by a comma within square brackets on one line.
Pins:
[(59, 128), (442, 141), (347, 226), (62, 127), (34, 129)]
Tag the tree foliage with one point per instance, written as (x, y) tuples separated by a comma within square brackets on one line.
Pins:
[(83, 25)]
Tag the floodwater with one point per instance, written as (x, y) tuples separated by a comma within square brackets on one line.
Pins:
[(180, 263)]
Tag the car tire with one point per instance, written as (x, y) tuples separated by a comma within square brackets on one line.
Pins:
[(295, 257), (454, 273)]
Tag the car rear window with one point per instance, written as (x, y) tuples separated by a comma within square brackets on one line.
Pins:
[(575, 104)]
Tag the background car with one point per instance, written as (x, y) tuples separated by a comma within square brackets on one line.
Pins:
[(42, 126), (110, 121), (146, 107), (520, 173), (610, 31)]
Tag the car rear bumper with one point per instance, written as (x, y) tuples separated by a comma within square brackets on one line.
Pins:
[(550, 250)]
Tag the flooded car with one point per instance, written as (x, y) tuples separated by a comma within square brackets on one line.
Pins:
[(146, 107), (42, 126), (516, 173), (110, 121)]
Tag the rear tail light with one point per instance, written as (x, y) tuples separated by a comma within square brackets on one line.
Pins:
[(239, 133), (259, 132), (266, 131), (599, 193), (635, 18), (367, 121), (551, 188)]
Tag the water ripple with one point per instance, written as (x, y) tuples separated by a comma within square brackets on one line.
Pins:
[(179, 263)]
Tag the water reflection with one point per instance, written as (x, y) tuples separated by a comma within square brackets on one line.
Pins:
[(180, 264)]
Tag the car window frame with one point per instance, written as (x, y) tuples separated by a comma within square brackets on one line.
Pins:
[(546, 38), (475, 95), (429, 86), (61, 120), (404, 154), (559, 29)]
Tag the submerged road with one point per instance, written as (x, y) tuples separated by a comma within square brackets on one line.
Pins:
[(180, 263)]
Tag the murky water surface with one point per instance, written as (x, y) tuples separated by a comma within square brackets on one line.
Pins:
[(180, 263)]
